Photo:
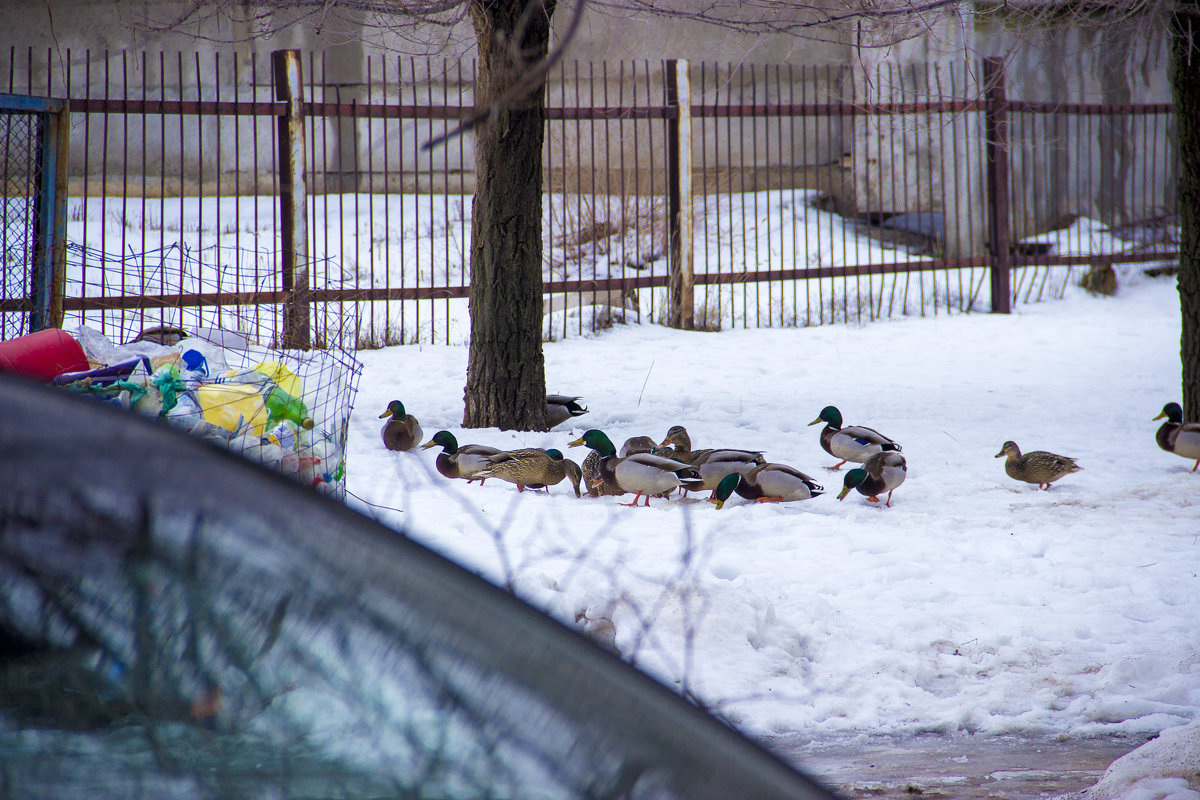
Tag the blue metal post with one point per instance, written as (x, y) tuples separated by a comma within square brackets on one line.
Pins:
[(48, 273)]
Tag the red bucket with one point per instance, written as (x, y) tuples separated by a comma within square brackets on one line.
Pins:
[(43, 356)]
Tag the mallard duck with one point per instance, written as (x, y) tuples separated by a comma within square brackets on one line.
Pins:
[(531, 468), (643, 473), (714, 463), (638, 444), (561, 407), (1178, 437), (1037, 467), (854, 443), (460, 461), (402, 431), (882, 472), (591, 465), (767, 483)]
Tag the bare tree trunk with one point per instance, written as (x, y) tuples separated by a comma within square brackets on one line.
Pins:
[(506, 377), (1185, 85)]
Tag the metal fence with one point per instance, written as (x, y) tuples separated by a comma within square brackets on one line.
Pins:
[(18, 168), (33, 142), (818, 194)]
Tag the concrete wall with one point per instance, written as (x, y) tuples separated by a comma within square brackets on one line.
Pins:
[(868, 165), (118, 46), (1113, 168)]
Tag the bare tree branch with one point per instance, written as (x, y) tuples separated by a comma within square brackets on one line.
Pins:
[(534, 77)]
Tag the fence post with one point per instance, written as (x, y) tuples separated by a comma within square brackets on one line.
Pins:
[(996, 144), (50, 218), (680, 293), (293, 202)]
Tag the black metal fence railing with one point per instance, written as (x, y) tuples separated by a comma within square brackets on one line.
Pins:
[(817, 194)]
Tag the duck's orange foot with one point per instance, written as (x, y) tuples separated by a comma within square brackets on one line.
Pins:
[(637, 497)]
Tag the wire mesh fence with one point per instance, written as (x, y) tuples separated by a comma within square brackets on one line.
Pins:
[(19, 177)]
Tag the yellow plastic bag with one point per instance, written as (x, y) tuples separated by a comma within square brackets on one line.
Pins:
[(281, 376), (231, 404)]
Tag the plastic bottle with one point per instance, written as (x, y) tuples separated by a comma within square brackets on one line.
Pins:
[(195, 362), (205, 429), (206, 355), (257, 449), (247, 377), (283, 406), (184, 414), (286, 435), (281, 376), (280, 404), (289, 464), (316, 449)]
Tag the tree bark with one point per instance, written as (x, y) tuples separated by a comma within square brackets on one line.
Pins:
[(1185, 86), (506, 377)]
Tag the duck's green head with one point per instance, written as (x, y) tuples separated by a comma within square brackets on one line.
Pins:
[(1173, 412), (830, 416), (725, 489), (597, 441), (445, 439), (395, 409), (555, 455), (853, 479)]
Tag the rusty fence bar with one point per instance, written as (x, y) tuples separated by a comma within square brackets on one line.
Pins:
[(996, 143), (818, 196)]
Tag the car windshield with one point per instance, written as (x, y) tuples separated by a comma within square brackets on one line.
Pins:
[(175, 622)]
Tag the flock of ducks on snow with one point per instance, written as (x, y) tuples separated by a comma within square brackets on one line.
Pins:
[(646, 468)]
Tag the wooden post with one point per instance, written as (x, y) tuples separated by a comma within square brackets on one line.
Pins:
[(293, 202), (681, 306), (996, 144)]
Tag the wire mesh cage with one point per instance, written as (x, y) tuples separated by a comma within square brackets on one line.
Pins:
[(218, 374)]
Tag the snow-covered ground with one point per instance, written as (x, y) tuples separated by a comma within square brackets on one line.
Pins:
[(974, 604)]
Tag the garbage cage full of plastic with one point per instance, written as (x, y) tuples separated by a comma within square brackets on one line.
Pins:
[(286, 409)]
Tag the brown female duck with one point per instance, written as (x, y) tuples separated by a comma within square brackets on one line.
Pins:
[(532, 468), (713, 463), (1038, 466)]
